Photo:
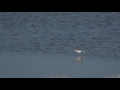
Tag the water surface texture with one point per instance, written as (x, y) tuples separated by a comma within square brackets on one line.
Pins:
[(41, 44)]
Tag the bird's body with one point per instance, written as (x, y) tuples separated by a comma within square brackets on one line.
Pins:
[(78, 51)]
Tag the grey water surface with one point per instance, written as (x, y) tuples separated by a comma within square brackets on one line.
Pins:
[(41, 44)]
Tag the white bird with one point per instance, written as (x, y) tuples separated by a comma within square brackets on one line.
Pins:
[(78, 51)]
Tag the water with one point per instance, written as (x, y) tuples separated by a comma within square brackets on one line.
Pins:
[(41, 44)]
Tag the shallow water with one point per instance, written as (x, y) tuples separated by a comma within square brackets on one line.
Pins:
[(41, 44)]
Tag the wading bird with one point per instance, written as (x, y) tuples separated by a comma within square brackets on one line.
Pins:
[(79, 50)]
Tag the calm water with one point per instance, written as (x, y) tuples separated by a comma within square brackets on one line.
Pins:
[(41, 44)]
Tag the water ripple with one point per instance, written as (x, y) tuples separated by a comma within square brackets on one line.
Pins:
[(97, 33)]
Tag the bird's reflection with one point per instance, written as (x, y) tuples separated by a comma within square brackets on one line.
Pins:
[(78, 59)]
